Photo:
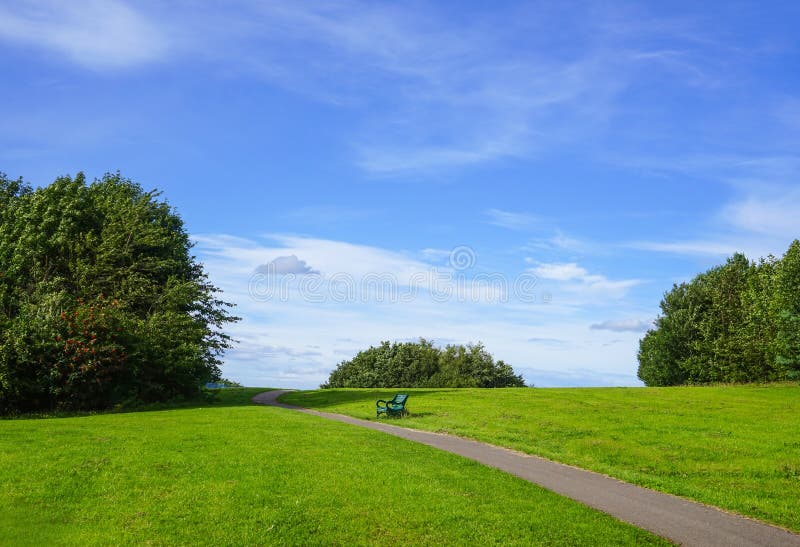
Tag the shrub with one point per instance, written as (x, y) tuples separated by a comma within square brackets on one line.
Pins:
[(421, 364)]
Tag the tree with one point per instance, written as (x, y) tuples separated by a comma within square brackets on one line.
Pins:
[(738, 322), (398, 364), (473, 366), (760, 323), (720, 351), (787, 305), (664, 351), (101, 301), (421, 364)]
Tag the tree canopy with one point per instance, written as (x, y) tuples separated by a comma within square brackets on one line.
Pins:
[(101, 301), (421, 364), (738, 322)]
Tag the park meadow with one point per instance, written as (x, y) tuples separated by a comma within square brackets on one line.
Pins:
[(228, 472)]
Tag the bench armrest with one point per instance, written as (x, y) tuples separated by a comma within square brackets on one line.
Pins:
[(379, 401)]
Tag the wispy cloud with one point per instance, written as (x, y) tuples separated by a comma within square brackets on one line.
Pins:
[(690, 247), (561, 247), (561, 272), (247, 349), (429, 94), (574, 278), (549, 341), (98, 34), (769, 215), (436, 255), (435, 95), (510, 220), (623, 325), (760, 214)]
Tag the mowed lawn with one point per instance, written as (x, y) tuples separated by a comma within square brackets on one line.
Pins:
[(237, 474), (736, 447)]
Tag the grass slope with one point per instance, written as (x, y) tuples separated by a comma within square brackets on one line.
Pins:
[(736, 447), (246, 475)]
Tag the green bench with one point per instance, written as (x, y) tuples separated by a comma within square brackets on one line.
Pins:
[(396, 406)]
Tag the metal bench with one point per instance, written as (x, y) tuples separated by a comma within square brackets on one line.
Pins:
[(396, 406)]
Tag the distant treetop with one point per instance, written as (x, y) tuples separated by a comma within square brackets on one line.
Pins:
[(421, 364)]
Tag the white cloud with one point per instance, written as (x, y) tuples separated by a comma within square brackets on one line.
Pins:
[(397, 158), (694, 247), (760, 215), (561, 246), (726, 244), (247, 349), (763, 221), (436, 94), (98, 34), (576, 279), (333, 257), (429, 93), (777, 216), (561, 272), (624, 325), (549, 341), (436, 254), (355, 273), (510, 220), (563, 241), (284, 265)]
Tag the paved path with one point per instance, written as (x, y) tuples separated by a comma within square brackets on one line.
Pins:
[(679, 520)]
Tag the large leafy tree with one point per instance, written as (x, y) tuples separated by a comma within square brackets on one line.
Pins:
[(664, 351), (101, 301), (738, 322)]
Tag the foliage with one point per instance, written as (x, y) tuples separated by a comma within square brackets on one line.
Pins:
[(234, 474), (787, 341), (738, 322), (101, 301), (229, 383), (421, 364), (734, 447)]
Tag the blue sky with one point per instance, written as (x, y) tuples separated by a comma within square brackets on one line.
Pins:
[(593, 153)]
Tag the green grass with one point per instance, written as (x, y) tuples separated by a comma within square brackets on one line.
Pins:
[(736, 447), (210, 397), (236, 474)]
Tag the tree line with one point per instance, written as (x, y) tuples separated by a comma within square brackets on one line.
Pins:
[(101, 300), (421, 364), (738, 322)]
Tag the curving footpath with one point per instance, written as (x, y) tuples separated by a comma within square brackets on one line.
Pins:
[(679, 520)]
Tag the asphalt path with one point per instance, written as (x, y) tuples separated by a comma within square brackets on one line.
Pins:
[(679, 520)]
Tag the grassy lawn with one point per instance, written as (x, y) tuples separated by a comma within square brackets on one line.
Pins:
[(234, 474), (733, 447)]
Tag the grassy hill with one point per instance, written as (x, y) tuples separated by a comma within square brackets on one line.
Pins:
[(736, 447), (234, 474)]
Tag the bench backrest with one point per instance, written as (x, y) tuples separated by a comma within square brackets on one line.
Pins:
[(399, 399)]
